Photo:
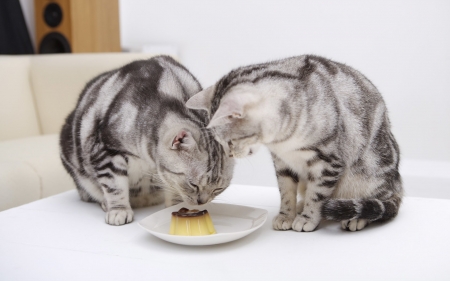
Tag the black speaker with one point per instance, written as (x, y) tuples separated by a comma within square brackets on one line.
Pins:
[(53, 14), (77, 26), (54, 42), (52, 26)]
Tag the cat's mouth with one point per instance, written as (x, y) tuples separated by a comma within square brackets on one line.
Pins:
[(231, 155), (241, 153), (196, 202)]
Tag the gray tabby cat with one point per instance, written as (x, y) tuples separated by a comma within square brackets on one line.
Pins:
[(327, 128), (131, 141)]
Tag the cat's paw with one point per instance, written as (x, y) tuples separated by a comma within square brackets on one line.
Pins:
[(282, 222), (119, 216), (354, 225), (304, 223)]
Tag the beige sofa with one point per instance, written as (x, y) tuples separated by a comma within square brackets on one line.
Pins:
[(36, 95)]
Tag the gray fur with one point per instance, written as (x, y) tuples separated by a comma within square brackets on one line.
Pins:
[(327, 128), (131, 141)]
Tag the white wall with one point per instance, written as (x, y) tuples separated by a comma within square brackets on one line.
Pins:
[(402, 46)]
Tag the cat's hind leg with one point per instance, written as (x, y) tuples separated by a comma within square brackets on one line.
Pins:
[(324, 172), (378, 200), (354, 225)]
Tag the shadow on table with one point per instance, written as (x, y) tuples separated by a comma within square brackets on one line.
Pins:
[(151, 241)]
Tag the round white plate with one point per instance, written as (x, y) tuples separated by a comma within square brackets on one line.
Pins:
[(230, 221)]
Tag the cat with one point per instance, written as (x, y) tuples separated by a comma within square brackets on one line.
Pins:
[(327, 128), (132, 142)]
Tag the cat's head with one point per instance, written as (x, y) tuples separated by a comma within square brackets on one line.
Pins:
[(196, 166), (239, 116)]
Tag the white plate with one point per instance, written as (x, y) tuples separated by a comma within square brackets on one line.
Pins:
[(230, 221)]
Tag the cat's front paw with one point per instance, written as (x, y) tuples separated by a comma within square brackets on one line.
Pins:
[(119, 216), (305, 223), (354, 225), (282, 222)]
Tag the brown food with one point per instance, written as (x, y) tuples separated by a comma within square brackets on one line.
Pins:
[(191, 223)]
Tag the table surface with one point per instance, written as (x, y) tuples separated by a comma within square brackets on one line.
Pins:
[(63, 238)]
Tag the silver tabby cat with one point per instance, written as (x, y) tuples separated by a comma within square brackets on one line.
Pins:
[(327, 128), (131, 141)]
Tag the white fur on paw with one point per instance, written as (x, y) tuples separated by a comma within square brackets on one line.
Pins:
[(354, 225), (304, 224), (103, 206), (282, 222), (119, 217)]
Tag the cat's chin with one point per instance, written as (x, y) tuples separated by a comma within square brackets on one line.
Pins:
[(196, 203), (242, 154), (254, 148), (192, 202), (249, 151)]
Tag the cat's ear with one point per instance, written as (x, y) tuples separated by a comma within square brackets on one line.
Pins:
[(202, 100), (229, 110), (183, 141)]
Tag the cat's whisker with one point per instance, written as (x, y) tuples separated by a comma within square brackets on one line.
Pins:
[(170, 191), (251, 164)]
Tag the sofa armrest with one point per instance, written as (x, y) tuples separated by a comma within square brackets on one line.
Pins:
[(19, 184), (18, 117), (31, 169)]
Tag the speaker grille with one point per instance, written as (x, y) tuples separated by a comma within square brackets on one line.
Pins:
[(53, 15), (54, 42)]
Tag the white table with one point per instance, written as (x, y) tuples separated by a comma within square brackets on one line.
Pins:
[(63, 238)]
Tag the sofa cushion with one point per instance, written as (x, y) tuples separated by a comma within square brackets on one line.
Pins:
[(18, 116), (59, 79), (41, 154)]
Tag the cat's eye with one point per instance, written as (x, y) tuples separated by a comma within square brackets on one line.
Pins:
[(194, 186), (218, 190)]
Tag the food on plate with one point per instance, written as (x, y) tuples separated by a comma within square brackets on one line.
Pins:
[(191, 223)]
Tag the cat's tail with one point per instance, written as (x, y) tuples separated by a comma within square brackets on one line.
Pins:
[(369, 209)]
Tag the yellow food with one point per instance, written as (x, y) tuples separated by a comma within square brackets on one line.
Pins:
[(191, 223)]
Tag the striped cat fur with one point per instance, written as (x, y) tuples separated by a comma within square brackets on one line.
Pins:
[(131, 141), (327, 128)]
